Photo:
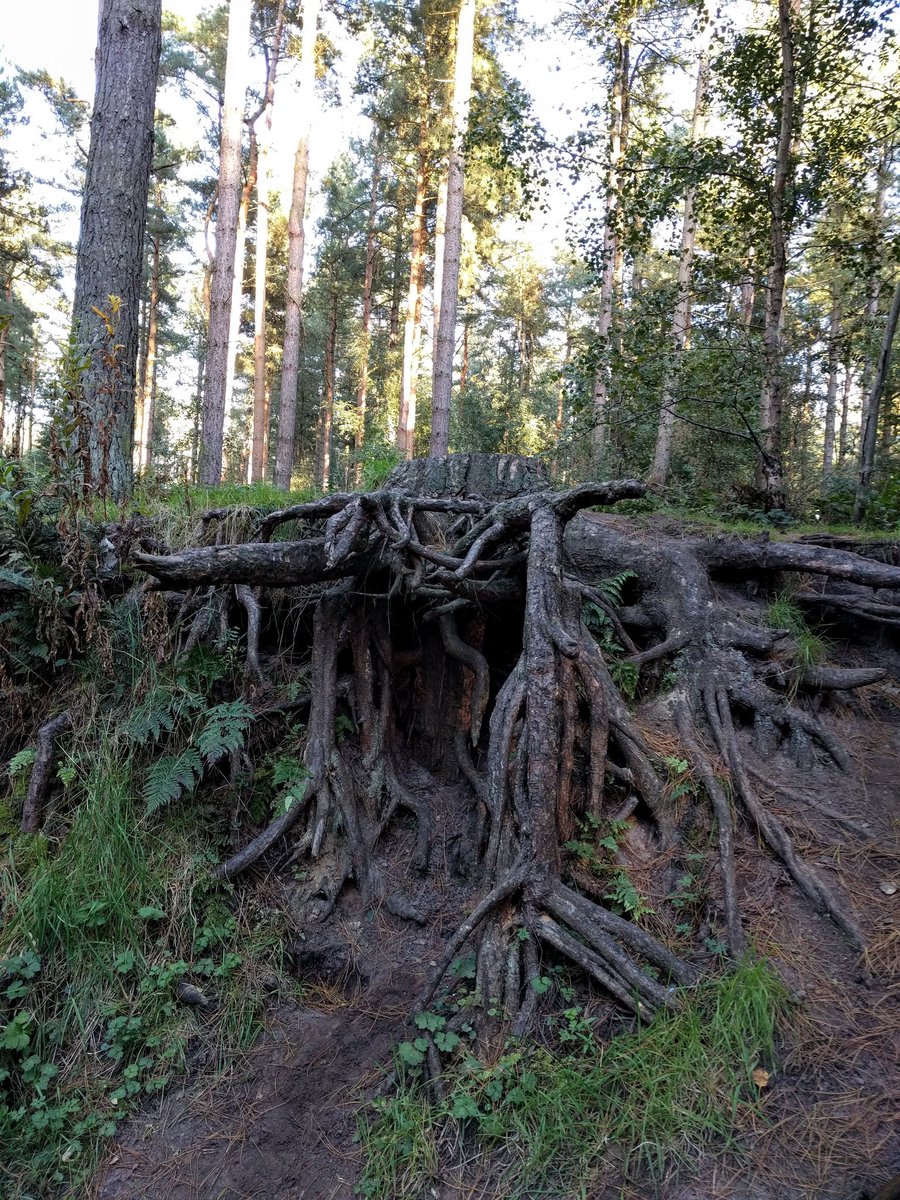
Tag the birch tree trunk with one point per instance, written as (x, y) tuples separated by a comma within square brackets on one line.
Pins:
[(834, 338), (681, 318), (771, 468), (446, 330), (290, 362), (412, 334), (227, 216), (870, 423), (5, 325), (611, 254), (263, 133), (111, 242)]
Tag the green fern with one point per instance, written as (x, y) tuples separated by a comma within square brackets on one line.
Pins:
[(21, 762), (614, 587), (170, 777), (224, 730), (159, 714)]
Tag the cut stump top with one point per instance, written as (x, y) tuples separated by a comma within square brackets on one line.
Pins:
[(491, 476)]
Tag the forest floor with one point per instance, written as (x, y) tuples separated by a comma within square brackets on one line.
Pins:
[(283, 1121)]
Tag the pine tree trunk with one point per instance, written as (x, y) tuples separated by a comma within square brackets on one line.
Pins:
[(368, 283), (227, 219), (870, 426), (834, 337), (845, 414), (446, 331), (396, 276), (412, 335), (262, 130), (148, 408), (440, 242), (323, 464), (5, 326), (290, 362), (237, 284), (611, 257), (772, 399), (681, 318), (111, 241)]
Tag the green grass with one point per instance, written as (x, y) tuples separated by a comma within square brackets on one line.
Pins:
[(783, 613), (100, 917), (660, 1095)]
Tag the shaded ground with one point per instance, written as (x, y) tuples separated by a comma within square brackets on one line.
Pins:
[(282, 1124)]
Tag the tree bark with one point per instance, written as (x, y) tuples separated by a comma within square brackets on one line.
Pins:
[(870, 420), (681, 318), (368, 283), (263, 130), (440, 242), (771, 467), (110, 246), (227, 217), (323, 457), (845, 413), (290, 362), (237, 283), (148, 408), (5, 326), (412, 335), (611, 252), (834, 338), (446, 331)]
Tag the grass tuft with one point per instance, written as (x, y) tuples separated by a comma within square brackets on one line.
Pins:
[(783, 613), (658, 1094)]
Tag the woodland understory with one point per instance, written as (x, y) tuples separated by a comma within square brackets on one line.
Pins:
[(450, 612)]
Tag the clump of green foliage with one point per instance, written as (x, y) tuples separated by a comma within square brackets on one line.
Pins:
[(112, 909), (783, 613), (659, 1094)]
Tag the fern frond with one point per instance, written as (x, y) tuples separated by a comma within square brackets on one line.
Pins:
[(171, 776), (224, 729), (613, 587)]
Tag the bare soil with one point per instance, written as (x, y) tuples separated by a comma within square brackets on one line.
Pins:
[(281, 1123)]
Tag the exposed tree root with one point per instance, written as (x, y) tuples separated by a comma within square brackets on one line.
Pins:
[(42, 771), (455, 636)]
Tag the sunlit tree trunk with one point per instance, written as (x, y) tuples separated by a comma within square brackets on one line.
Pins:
[(611, 250), (237, 286), (869, 432), (681, 319), (227, 218), (111, 242), (290, 362), (834, 339), (263, 134), (148, 409), (412, 334), (771, 467)]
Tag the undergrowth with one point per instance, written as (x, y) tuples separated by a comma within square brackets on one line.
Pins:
[(548, 1117), (111, 912)]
